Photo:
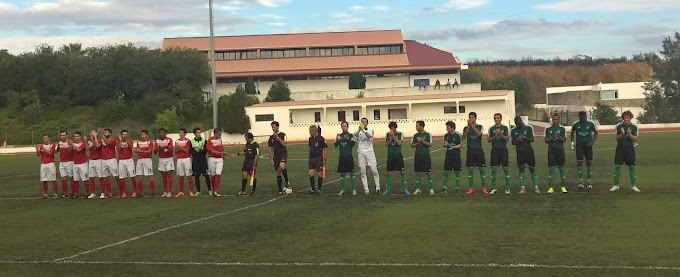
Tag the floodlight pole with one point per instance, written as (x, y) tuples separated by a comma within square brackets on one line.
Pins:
[(212, 64)]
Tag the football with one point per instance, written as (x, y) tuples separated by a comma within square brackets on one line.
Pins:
[(288, 191)]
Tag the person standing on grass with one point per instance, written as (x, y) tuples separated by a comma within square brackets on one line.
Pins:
[(318, 149), (453, 142), (199, 161), (95, 165), (182, 148), (80, 168), (345, 142), (395, 159), (475, 153), (422, 141), (216, 160), (626, 137), (278, 155), (144, 150), (65, 162), (499, 136), (555, 136), (48, 171), (109, 162), (126, 165), (522, 136), (251, 153), (166, 165), (586, 135), (364, 136)]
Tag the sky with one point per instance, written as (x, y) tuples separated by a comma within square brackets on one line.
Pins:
[(470, 29)]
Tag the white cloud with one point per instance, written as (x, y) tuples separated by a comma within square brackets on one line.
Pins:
[(271, 16), (465, 4), (341, 15), (352, 20), (278, 24), (272, 3), (357, 8), (609, 5), (381, 8)]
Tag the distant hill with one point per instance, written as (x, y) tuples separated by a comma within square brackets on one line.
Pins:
[(542, 76)]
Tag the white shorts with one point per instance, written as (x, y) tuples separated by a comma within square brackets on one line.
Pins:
[(144, 167), (215, 166), (126, 168), (367, 159), (66, 169), (48, 172), (109, 168), (80, 172), (184, 167), (166, 164), (95, 168)]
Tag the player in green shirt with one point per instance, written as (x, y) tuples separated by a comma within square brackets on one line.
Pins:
[(627, 137), (453, 142), (345, 142), (586, 135), (475, 154), (395, 160), (522, 136), (555, 137), (422, 141), (499, 136)]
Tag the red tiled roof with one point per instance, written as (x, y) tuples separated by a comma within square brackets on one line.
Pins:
[(424, 55)]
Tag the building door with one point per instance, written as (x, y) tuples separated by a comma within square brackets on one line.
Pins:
[(416, 82)]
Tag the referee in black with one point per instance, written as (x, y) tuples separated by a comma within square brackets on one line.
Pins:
[(199, 162)]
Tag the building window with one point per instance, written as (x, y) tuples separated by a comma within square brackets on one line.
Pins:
[(397, 113), (335, 51), (376, 114), (355, 115), (609, 94), (236, 55), (380, 49), (461, 109), (282, 53), (317, 116), (341, 116), (450, 109), (264, 117)]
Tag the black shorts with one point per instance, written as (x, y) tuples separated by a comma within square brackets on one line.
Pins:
[(625, 154), (316, 163), (247, 166), (278, 159), (395, 162), (346, 164), (555, 157), (199, 167), (499, 156), (422, 163), (475, 158), (452, 162), (582, 150), (526, 157)]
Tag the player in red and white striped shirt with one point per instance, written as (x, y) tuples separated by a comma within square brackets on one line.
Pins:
[(216, 160), (144, 150), (109, 163), (182, 146), (48, 172), (65, 162), (166, 165), (126, 166), (80, 168)]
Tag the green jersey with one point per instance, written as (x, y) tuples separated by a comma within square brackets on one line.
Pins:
[(422, 149), (626, 141), (345, 143), (526, 131), (584, 130), (393, 147), (550, 132), (454, 139), (499, 142), (473, 140)]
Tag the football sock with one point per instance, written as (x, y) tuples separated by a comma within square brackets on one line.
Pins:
[(617, 174), (191, 184), (45, 188), (506, 172), (197, 180), (342, 181), (134, 184), (580, 174), (181, 184), (75, 186), (165, 183), (55, 187), (216, 183), (243, 184), (493, 177), (445, 179), (152, 184), (354, 182), (457, 179), (471, 175), (64, 187), (590, 174), (633, 176), (311, 183), (121, 185), (208, 182), (170, 182), (254, 184), (418, 180), (404, 185), (482, 175), (285, 174), (551, 171), (279, 182), (534, 178), (429, 180), (563, 176), (320, 181), (521, 179), (388, 182), (140, 185)]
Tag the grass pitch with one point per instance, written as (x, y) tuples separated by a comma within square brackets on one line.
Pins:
[(598, 233)]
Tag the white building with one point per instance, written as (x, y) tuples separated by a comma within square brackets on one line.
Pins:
[(295, 117), (621, 96)]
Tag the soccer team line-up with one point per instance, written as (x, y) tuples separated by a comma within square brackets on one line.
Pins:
[(201, 156)]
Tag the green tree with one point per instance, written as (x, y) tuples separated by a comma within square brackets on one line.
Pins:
[(168, 119), (519, 84), (357, 81), (235, 119), (278, 92), (470, 77), (250, 86), (605, 114), (664, 87)]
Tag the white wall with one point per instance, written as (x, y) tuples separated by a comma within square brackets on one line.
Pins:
[(631, 90)]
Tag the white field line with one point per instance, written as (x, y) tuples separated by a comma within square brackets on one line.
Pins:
[(304, 264)]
